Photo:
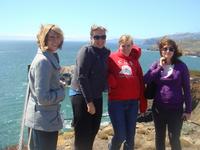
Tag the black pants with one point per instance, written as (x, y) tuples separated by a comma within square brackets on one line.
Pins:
[(85, 125), (171, 119), (41, 140)]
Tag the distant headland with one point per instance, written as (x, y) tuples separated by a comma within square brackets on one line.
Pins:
[(189, 43)]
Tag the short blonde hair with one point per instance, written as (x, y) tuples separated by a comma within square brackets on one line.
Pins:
[(95, 27), (42, 35), (124, 39)]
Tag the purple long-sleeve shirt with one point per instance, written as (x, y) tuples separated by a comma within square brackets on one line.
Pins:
[(173, 91)]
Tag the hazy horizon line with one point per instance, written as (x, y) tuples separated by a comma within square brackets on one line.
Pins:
[(33, 38)]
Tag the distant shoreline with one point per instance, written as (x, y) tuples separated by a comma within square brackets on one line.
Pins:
[(185, 52), (191, 53)]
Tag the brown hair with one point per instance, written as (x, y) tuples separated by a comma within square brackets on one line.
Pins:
[(167, 41), (42, 35)]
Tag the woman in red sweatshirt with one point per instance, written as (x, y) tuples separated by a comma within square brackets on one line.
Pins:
[(126, 88)]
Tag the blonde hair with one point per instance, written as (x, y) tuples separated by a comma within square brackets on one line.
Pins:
[(95, 27), (124, 39), (42, 35)]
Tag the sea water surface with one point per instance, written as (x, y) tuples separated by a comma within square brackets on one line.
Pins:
[(14, 58)]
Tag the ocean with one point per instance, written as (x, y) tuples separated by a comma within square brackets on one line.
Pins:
[(14, 58)]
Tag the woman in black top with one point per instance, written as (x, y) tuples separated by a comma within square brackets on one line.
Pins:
[(88, 83)]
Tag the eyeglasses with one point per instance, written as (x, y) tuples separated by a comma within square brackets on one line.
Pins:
[(98, 37), (171, 49)]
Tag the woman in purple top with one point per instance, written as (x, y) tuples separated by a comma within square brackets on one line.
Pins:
[(172, 101)]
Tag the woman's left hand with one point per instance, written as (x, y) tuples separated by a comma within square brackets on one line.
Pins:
[(91, 108), (186, 116)]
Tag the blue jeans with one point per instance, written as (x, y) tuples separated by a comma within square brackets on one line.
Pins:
[(123, 115), (41, 140)]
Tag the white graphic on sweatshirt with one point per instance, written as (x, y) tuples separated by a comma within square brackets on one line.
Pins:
[(126, 70)]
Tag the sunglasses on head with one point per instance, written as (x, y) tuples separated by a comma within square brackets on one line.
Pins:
[(97, 37), (171, 49)]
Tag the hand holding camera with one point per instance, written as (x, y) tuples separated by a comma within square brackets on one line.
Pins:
[(65, 79)]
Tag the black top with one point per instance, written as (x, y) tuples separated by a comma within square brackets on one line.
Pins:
[(90, 72)]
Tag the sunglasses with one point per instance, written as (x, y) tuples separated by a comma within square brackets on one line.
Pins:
[(171, 49), (98, 37)]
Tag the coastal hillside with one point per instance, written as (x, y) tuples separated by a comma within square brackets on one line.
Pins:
[(189, 43)]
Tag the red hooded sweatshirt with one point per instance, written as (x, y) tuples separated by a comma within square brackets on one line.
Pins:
[(125, 77)]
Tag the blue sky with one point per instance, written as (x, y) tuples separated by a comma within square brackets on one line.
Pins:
[(140, 18)]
